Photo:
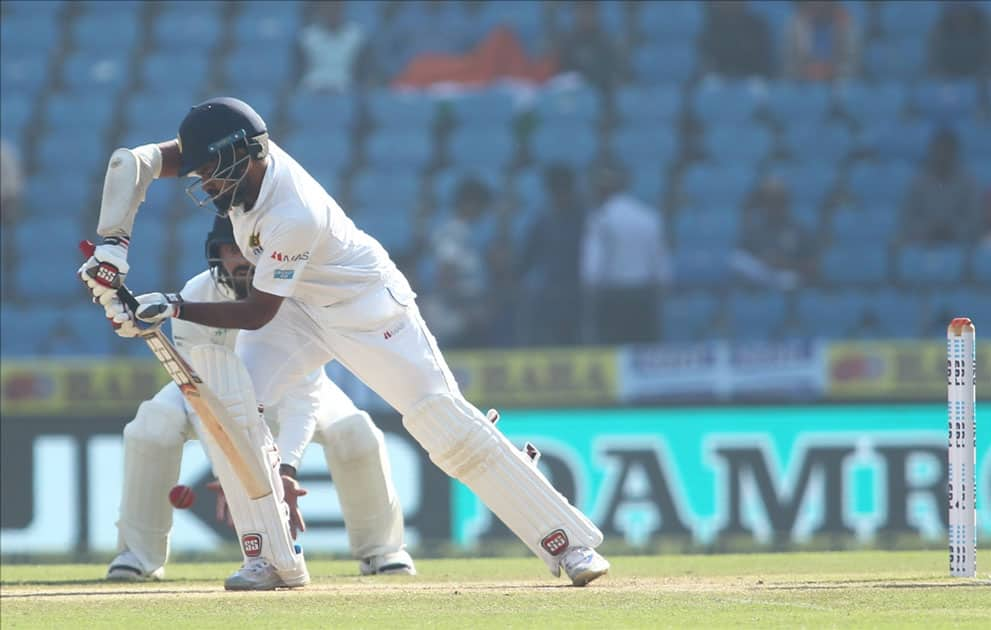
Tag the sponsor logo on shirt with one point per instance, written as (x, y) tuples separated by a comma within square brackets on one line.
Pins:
[(284, 274), (290, 257)]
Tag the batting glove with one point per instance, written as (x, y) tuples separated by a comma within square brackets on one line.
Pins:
[(104, 271), (154, 308), (119, 315)]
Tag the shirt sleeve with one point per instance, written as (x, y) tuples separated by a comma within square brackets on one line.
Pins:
[(287, 250)]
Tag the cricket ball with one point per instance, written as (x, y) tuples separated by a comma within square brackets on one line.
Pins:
[(181, 497)]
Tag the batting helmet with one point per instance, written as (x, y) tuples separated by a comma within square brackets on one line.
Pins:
[(227, 131)]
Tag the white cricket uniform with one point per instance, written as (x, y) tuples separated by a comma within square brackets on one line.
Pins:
[(315, 408), (347, 301), (346, 298)]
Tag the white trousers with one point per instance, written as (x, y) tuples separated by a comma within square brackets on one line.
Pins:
[(379, 337), (382, 339)]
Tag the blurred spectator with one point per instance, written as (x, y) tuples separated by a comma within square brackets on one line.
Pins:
[(960, 42), (550, 260), (735, 41), (455, 308), (416, 28), (331, 48), (775, 250), (821, 42), (11, 182), (625, 264), (499, 56), (943, 200), (588, 49)]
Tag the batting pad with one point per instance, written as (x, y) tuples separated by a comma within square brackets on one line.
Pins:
[(359, 464), (262, 523), (152, 453), (468, 447)]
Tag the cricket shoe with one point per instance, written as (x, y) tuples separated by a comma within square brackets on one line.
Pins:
[(127, 568), (395, 563), (258, 574), (583, 564)]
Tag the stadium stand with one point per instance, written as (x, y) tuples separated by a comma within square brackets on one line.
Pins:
[(694, 147)]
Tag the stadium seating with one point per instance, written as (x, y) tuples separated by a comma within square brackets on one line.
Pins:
[(658, 64), (187, 26), (711, 228), (689, 316), (919, 265), (726, 102), (880, 183), (819, 143), (567, 142), (392, 147), (736, 144), (756, 315), (490, 109), (829, 313), (385, 192), (876, 227), (788, 102), (869, 102), (701, 267), (324, 154), (90, 31), (851, 264), (708, 185), (400, 110), (648, 105), (705, 140), (571, 106), (481, 148)]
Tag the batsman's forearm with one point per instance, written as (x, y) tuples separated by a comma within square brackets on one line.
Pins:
[(242, 315), (170, 158)]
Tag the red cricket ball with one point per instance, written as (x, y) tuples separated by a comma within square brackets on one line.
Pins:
[(181, 497)]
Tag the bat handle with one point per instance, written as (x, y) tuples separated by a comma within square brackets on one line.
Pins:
[(87, 248)]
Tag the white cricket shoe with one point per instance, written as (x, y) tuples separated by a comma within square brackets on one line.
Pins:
[(395, 563), (127, 568), (258, 574), (583, 565)]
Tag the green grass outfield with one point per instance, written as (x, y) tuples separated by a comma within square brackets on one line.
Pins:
[(784, 590)]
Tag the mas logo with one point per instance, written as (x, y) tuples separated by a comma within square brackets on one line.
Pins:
[(290, 257)]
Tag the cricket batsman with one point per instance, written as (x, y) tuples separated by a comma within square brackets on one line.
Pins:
[(324, 290), (316, 409)]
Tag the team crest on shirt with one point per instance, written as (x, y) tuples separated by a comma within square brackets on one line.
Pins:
[(255, 243)]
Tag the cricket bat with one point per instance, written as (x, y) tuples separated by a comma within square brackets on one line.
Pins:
[(251, 471)]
